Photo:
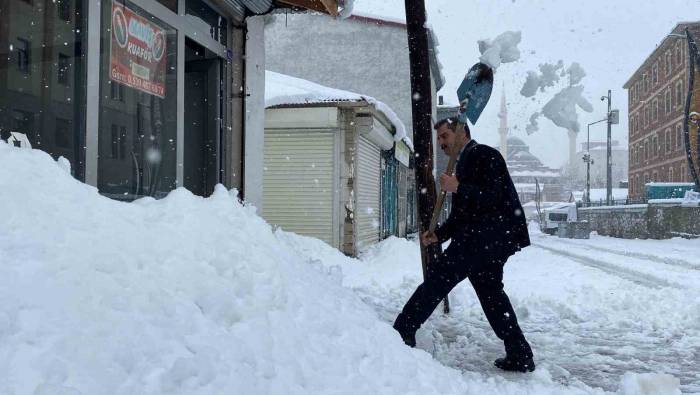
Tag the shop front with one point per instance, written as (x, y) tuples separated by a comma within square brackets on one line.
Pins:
[(135, 94), (140, 96)]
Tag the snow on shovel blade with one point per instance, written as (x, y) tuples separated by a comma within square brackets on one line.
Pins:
[(474, 92)]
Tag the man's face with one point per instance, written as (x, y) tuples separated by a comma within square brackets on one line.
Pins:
[(446, 139)]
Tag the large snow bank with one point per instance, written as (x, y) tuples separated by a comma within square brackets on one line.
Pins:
[(281, 89), (182, 295)]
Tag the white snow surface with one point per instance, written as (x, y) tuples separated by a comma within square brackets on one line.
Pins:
[(188, 295), (281, 89), (502, 49), (561, 109), (547, 77)]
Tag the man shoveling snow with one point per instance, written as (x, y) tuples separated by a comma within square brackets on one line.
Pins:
[(486, 226)]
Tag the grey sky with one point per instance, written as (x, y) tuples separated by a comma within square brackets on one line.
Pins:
[(609, 38)]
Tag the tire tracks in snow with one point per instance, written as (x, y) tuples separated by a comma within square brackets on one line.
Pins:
[(640, 255), (643, 279)]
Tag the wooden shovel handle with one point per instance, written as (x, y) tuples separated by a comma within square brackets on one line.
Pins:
[(441, 197)]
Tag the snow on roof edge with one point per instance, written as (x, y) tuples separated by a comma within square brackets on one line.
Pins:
[(281, 89)]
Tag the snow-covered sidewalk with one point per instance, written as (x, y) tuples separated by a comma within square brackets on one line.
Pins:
[(595, 310), (187, 295)]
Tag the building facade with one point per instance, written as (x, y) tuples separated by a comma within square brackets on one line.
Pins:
[(657, 94), (363, 53), (599, 154), (140, 96)]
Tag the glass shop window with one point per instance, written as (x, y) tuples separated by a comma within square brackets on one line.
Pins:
[(138, 104), (42, 76)]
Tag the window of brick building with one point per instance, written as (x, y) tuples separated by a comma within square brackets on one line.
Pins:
[(648, 115), (679, 93), (655, 110), (667, 101), (679, 54), (669, 64), (667, 141), (640, 154), (646, 150), (655, 146), (645, 80), (631, 96), (678, 137), (670, 174), (654, 176), (655, 74)]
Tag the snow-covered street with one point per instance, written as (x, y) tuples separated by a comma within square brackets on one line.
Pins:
[(187, 295), (593, 309)]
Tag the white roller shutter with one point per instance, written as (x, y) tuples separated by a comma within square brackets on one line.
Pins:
[(367, 193), (298, 181)]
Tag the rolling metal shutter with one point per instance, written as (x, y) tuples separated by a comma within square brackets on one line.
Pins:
[(298, 182), (367, 193)]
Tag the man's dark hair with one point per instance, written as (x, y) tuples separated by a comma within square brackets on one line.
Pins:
[(454, 124)]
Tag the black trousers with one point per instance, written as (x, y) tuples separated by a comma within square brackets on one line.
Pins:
[(485, 272)]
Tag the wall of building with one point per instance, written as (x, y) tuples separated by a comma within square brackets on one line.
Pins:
[(620, 166), (657, 94), (358, 56)]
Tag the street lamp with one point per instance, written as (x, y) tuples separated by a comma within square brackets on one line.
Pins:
[(589, 161), (613, 118)]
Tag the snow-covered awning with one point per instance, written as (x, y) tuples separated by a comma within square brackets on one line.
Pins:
[(281, 89)]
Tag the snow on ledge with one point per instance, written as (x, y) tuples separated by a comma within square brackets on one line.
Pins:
[(281, 89)]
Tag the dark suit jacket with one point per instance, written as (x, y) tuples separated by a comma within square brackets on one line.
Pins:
[(486, 215)]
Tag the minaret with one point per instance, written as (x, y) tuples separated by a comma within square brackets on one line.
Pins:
[(572, 147), (503, 128)]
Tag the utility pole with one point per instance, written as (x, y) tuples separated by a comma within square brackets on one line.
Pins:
[(421, 101), (589, 161), (608, 184)]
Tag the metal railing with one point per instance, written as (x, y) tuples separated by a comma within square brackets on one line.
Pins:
[(614, 202)]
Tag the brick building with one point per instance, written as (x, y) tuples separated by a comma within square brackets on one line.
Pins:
[(657, 93)]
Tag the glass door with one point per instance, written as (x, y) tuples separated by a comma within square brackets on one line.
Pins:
[(203, 109)]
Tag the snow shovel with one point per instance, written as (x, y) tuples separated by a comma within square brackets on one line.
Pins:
[(473, 94)]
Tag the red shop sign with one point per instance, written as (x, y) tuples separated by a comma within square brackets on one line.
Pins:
[(137, 55)]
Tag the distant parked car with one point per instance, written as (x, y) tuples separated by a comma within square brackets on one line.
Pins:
[(555, 215)]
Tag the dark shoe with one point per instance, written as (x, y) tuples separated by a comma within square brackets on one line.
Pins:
[(409, 339), (509, 364)]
